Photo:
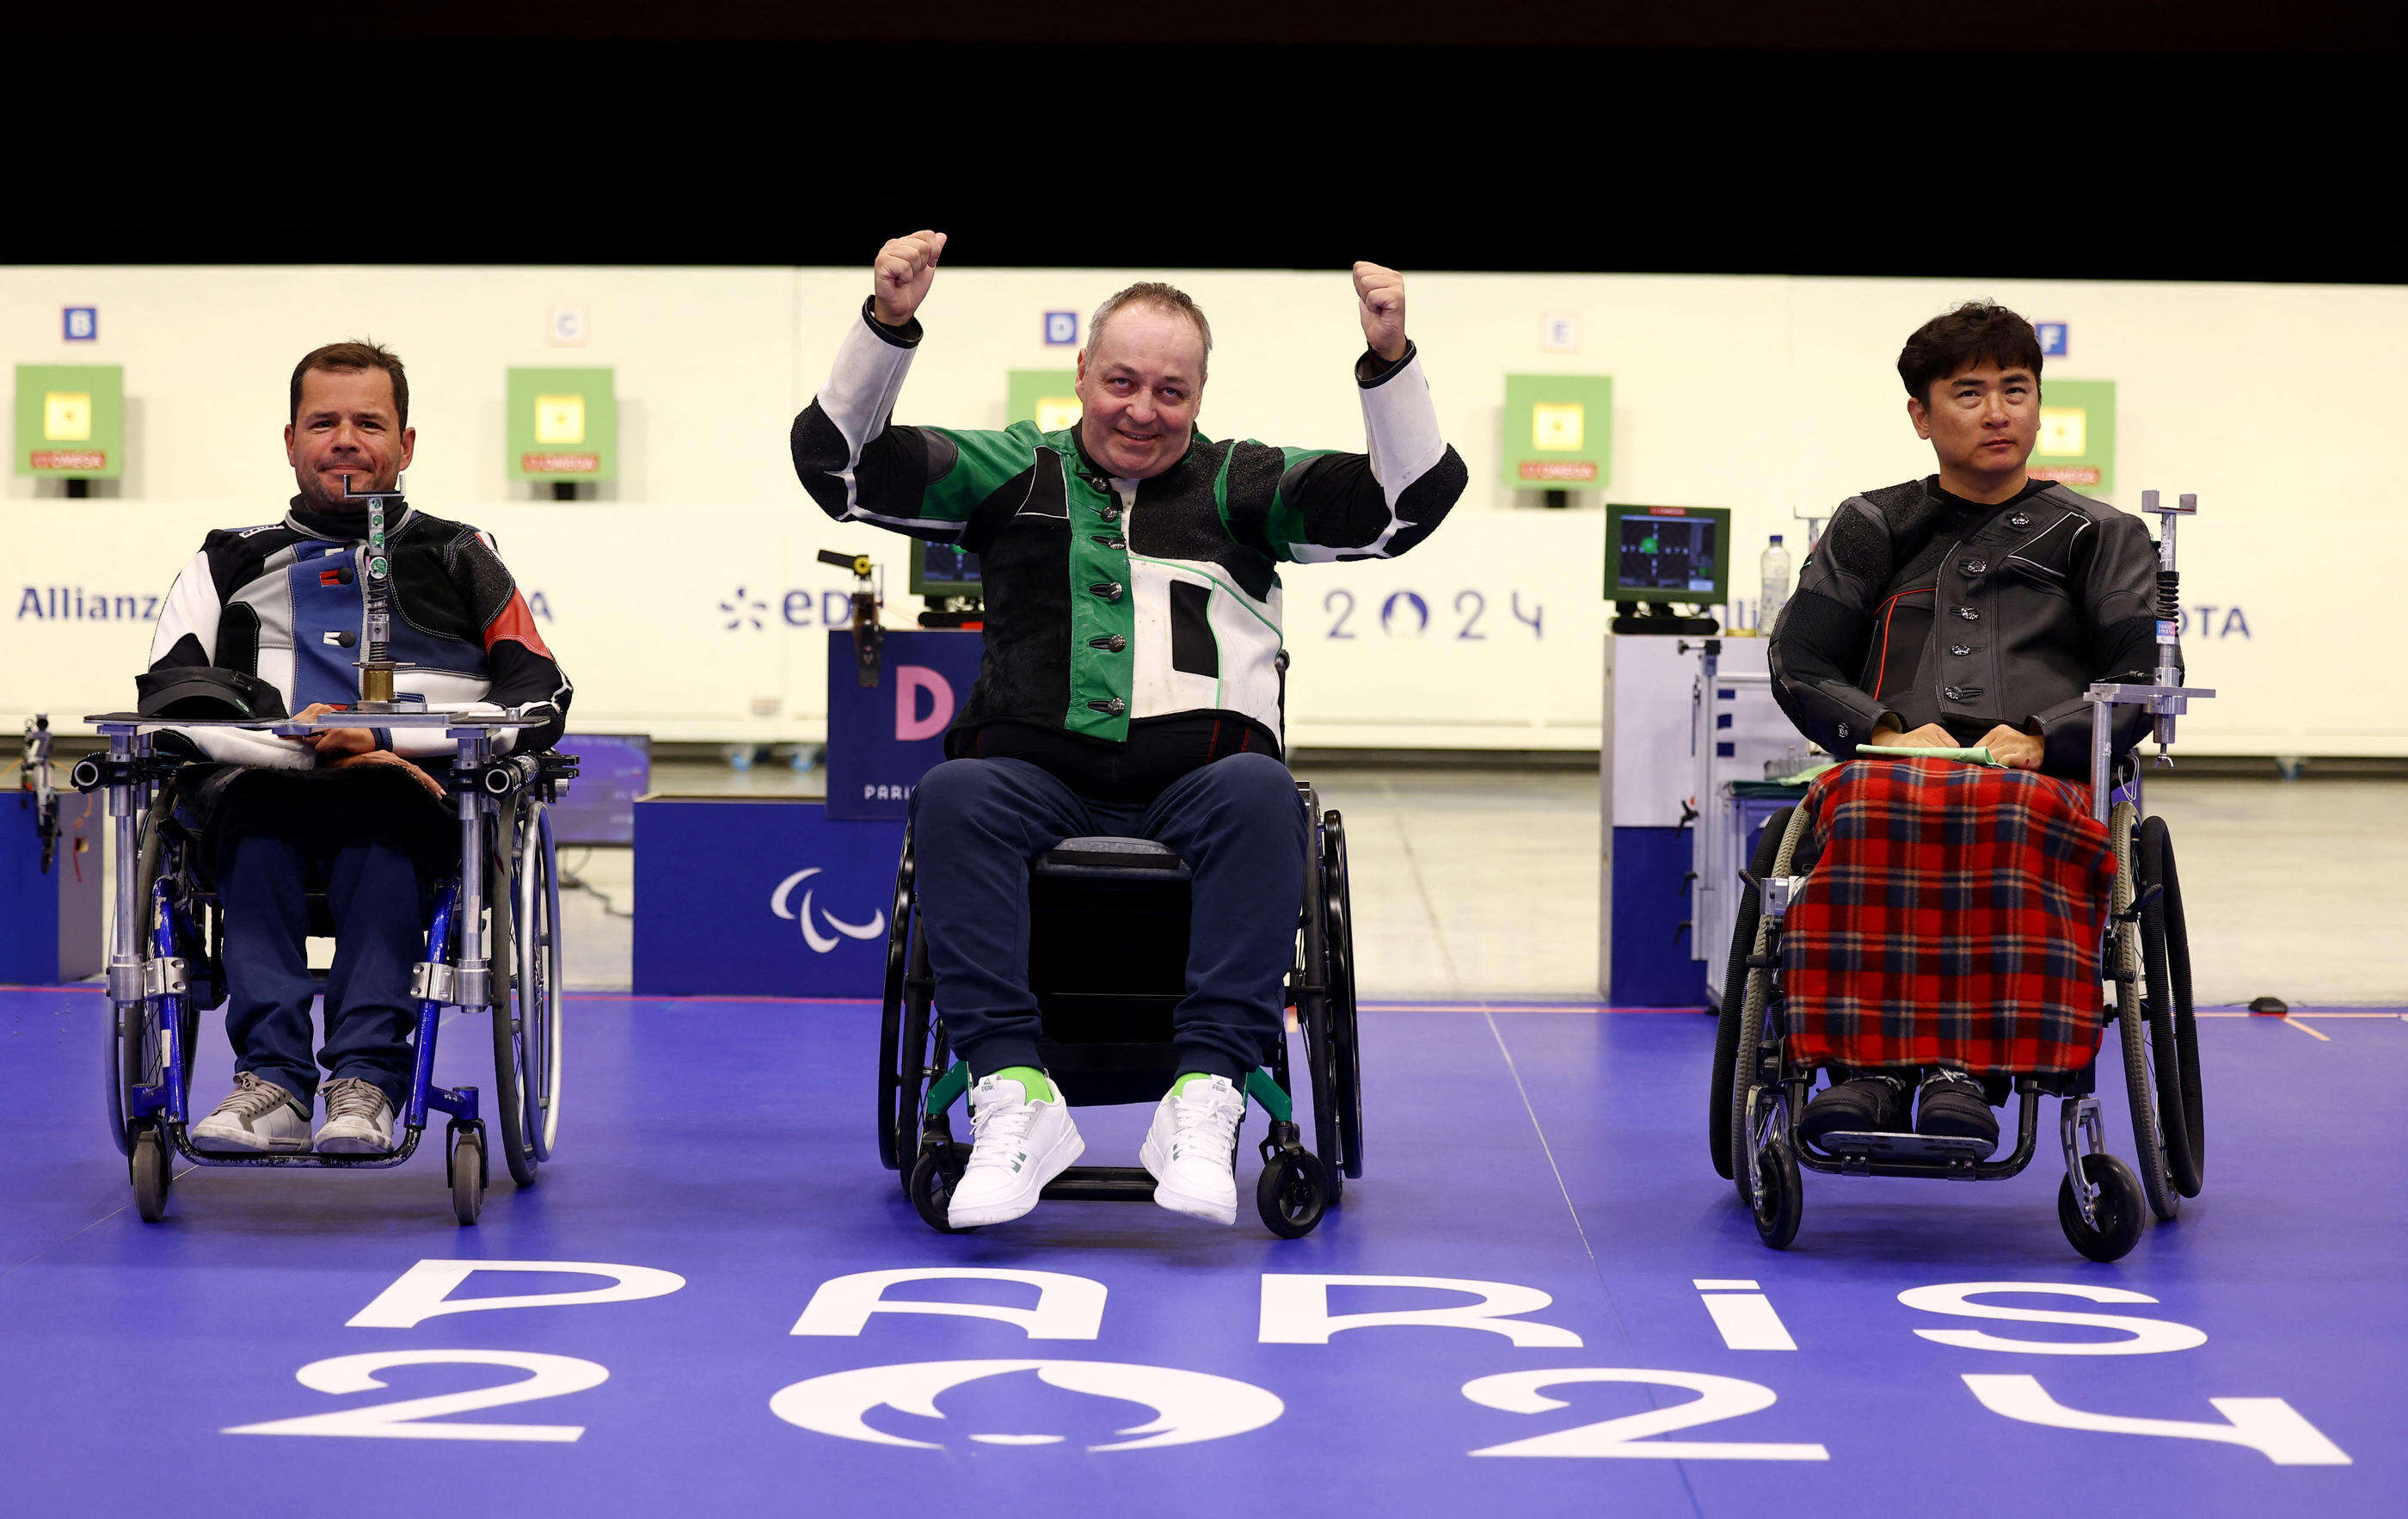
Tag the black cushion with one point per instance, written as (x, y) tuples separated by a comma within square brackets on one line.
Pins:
[(1139, 858)]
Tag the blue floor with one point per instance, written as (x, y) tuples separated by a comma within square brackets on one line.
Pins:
[(1530, 1150)]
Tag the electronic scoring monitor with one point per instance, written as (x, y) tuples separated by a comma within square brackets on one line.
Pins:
[(1668, 553), (939, 569)]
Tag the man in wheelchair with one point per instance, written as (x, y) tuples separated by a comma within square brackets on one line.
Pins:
[(1968, 610), (1131, 682), (270, 620)]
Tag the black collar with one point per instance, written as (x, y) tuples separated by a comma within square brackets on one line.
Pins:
[(344, 527)]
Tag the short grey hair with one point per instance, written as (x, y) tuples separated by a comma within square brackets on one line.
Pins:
[(1160, 296)]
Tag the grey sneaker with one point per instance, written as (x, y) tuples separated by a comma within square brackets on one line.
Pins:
[(255, 1115), (359, 1119)]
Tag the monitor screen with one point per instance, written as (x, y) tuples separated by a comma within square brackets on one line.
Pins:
[(941, 569), (1667, 553), (612, 771)]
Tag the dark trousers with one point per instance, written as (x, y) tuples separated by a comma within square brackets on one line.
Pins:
[(379, 934), (1238, 822)]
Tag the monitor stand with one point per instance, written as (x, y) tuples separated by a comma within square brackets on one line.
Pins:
[(1650, 617)]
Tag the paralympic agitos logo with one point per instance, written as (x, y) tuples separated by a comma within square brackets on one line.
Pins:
[(820, 942)]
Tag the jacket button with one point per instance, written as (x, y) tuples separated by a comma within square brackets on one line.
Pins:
[(1109, 590), (1113, 644), (1113, 707), (1968, 614), (1111, 513), (2019, 520), (1108, 541), (1973, 566), (1953, 692), (1961, 650)]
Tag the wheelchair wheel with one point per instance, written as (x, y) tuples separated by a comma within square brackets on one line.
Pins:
[(2132, 1020), (1346, 1042), (2159, 1035), (1735, 975), (149, 1164), (1758, 1011), (467, 1173), (935, 1171), (2120, 1207), (131, 1044), (524, 900), (918, 1056), (1781, 1203), (893, 1075), (1292, 1194), (2173, 1030)]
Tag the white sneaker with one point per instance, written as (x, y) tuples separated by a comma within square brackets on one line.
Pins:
[(1016, 1147), (1192, 1150), (255, 1115), (359, 1119)]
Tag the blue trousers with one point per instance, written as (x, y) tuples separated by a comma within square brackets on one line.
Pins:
[(1238, 822), (379, 933)]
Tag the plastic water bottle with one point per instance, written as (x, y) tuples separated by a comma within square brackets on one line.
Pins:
[(1776, 587)]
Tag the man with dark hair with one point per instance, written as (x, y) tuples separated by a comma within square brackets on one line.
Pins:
[(1131, 682), (345, 809), (1968, 608)]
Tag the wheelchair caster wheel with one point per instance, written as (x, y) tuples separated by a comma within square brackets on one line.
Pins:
[(1779, 1201), (468, 1175), (151, 1169), (934, 1171), (2120, 1209), (1292, 1194)]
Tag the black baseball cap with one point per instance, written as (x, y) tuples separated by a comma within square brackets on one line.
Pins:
[(206, 691)]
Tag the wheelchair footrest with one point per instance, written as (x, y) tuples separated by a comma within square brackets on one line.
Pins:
[(1941, 1147), (1101, 1183)]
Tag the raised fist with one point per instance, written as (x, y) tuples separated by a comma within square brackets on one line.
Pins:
[(1382, 294), (900, 277)]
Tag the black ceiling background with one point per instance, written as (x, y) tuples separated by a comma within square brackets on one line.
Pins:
[(2206, 141)]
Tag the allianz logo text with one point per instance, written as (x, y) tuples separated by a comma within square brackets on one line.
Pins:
[(820, 940)]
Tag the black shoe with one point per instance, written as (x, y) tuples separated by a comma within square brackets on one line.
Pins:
[(1874, 1103), (1951, 1104)]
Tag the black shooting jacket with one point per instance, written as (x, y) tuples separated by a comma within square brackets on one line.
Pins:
[(1919, 606)]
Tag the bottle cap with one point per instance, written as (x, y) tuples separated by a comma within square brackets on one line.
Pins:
[(1776, 537)]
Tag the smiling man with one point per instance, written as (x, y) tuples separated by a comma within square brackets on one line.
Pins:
[(1131, 682), (344, 809), (1968, 608)]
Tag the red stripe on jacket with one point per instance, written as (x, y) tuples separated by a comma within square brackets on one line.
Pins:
[(516, 623)]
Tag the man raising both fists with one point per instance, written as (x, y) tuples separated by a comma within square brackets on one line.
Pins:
[(1130, 683)]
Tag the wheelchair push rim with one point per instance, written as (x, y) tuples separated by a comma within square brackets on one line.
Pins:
[(1344, 1024), (539, 966), (525, 988), (2165, 962), (893, 1112), (1722, 1090)]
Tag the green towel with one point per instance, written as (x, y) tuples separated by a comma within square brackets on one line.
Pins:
[(1967, 756)]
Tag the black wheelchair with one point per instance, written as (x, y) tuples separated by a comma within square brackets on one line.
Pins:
[(1108, 954), (1759, 1094), (493, 941)]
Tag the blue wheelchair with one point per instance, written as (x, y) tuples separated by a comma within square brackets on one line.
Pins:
[(493, 942)]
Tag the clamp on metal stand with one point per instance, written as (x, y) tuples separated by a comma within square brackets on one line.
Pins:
[(35, 776), (2166, 698), (376, 663), (866, 634)]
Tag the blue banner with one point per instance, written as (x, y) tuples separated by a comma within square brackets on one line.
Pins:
[(882, 738), (762, 897)]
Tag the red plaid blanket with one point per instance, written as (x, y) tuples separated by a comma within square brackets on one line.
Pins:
[(1953, 917)]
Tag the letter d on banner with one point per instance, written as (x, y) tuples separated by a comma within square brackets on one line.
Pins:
[(910, 681)]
